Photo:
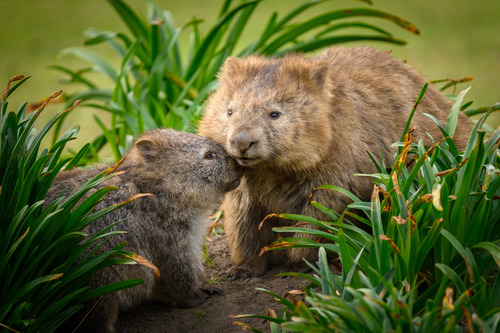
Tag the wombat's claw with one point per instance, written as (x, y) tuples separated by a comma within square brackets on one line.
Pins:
[(211, 290), (239, 272)]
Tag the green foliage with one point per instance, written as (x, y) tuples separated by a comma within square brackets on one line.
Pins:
[(431, 263), (43, 281), (159, 85), (380, 307)]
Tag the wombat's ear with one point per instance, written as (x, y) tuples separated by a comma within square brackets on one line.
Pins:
[(319, 74), (230, 65), (147, 149)]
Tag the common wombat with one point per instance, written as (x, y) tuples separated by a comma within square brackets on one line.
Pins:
[(297, 123), (188, 176)]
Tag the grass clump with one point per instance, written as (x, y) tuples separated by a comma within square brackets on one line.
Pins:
[(42, 274)]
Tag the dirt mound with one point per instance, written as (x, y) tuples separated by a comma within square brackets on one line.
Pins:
[(238, 297)]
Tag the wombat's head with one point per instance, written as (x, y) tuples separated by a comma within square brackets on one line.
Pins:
[(271, 112), (185, 165)]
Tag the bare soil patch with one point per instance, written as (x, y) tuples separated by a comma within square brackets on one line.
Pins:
[(237, 297)]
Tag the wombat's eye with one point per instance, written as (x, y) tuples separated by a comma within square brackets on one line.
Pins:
[(210, 155), (274, 115), (229, 112)]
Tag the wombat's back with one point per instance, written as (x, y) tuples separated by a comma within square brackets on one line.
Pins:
[(381, 91)]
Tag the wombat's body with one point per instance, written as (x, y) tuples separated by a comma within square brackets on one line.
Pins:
[(298, 123), (188, 176)]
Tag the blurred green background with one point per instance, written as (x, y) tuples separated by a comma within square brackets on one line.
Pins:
[(457, 38)]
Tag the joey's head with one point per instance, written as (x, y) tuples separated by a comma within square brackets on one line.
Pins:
[(183, 165), (271, 112)]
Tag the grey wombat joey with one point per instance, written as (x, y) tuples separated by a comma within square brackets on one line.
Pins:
[(188, 176)]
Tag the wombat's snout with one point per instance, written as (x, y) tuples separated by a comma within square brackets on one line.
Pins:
[(243, 141)]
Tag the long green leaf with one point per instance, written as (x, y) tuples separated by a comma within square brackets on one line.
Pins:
[(100, 64), (320, 20), (492, 248), (214, 34), (129, 17), (451, 123)]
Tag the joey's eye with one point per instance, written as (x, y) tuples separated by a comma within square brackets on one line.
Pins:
[(274, 115), (210, 155), (229, 112)]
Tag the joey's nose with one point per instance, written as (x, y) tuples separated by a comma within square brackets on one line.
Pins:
[(243, 141)]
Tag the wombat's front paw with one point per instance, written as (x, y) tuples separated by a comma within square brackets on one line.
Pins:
[(210, 290)]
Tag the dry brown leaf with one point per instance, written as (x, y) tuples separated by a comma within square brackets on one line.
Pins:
[(146, 263), (12, 79), (266, 218), (394, 246), (448, 299), (56, 277), (399, 220), (293, 293)]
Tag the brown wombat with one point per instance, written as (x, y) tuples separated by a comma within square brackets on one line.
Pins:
[(297, 123), (188, 176)]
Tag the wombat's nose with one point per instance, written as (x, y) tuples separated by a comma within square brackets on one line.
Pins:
[(242, 141)]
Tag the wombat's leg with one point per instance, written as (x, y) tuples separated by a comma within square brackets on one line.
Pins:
[(181, 280), (198, 298), (245, 240), (99, 315), (189, 293), (296, 256)]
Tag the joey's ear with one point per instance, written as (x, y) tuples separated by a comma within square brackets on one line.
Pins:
[(319, 74), (147, 149)]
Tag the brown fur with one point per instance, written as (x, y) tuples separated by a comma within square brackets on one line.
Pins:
[(331, 110), (166, 228)]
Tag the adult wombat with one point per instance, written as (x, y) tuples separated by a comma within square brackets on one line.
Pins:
[(188, 176), (297, 123)]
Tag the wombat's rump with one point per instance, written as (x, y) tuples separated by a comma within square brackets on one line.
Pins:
[(188, 176), (297, 123)]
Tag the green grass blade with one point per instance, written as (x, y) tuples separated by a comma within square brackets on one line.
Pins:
[(316, 44), (451, 123), (291, 34), (130, 18), (199, 59), (492, 248), (100, 64)]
